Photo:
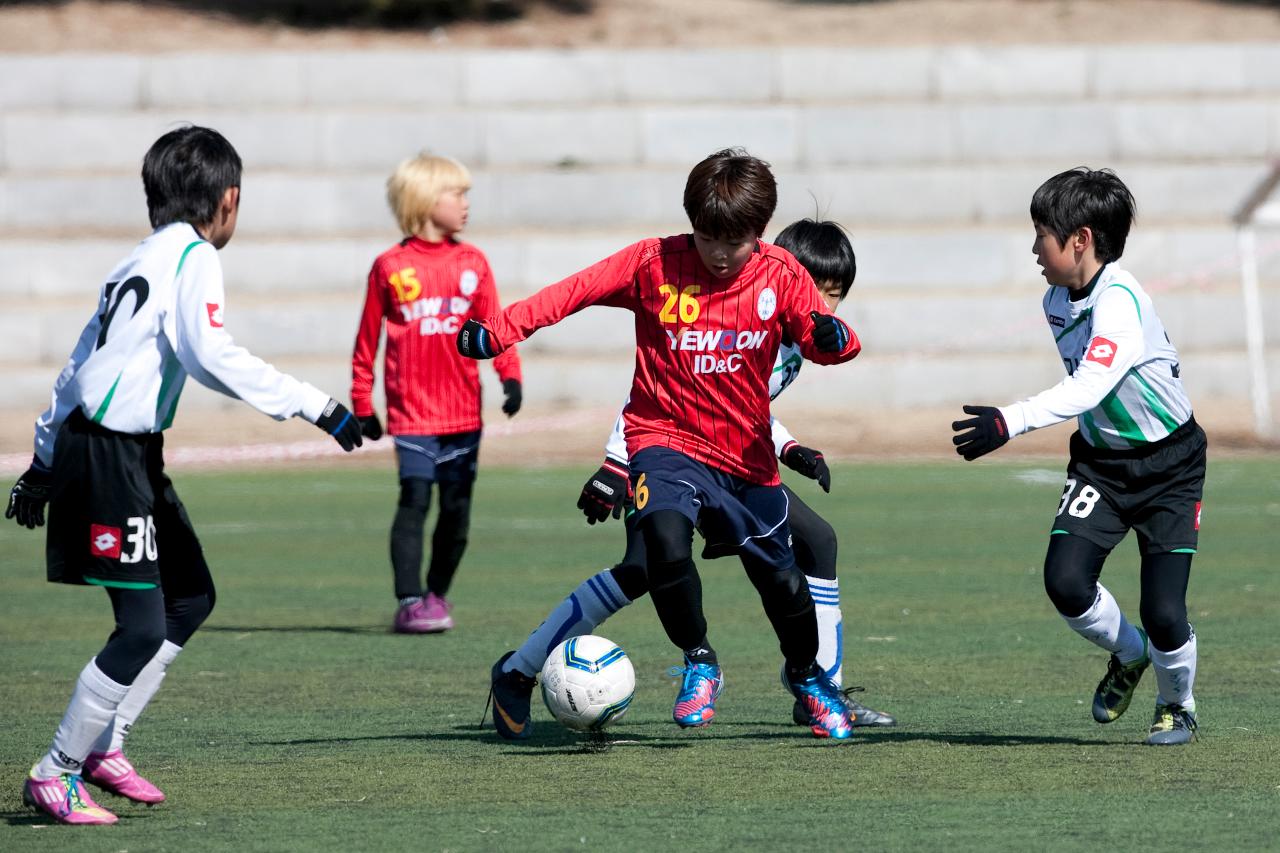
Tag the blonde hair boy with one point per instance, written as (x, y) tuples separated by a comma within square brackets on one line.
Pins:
[(417, 184)]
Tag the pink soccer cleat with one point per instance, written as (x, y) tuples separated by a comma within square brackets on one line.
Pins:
[(428, 615), (111, 771), (65, 799)]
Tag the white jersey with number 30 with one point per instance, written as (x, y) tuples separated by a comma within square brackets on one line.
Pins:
[(1123, 380), (159, 319)]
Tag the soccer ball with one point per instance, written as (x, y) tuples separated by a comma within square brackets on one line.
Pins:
[(587, 683)]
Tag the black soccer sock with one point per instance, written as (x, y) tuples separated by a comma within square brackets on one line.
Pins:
[(406, 536), (139, 633), (789, 606), (449, 541), (813, 539), (676, 590), (1164, 599)]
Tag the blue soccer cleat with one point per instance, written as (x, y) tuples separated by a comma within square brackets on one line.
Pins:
[(696, 702), (829, 715)]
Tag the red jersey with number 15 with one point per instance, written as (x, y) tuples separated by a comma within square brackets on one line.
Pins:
[(705, 347), (425, 292)]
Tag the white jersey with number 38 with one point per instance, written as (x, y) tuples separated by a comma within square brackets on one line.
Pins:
[(1123, 380)]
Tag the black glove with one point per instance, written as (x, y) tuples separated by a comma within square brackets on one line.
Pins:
[(808, 462), (474, 341), (341, 424), (29, 495), (511, 405), (605, 492), (986, 432), (371, 427), (830, 334)]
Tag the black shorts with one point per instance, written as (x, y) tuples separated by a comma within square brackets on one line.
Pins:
[(1155, 490), (114, 517)]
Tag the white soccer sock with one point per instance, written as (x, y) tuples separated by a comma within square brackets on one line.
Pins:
[(1176, 674), (1106, 627), (826, 606), (93, 704), (595, 600), (140, 693)]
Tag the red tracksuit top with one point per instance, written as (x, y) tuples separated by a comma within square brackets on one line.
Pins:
[(704, 348), (425, 292)]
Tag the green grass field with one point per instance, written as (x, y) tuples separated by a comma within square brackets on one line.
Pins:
[(296, 721)]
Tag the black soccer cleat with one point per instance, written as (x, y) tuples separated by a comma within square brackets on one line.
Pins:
[(511, 693)]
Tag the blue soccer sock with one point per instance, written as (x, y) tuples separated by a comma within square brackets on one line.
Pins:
[(595, 600)]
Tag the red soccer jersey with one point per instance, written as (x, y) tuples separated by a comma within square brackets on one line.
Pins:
[(425, 292), (704, 347)]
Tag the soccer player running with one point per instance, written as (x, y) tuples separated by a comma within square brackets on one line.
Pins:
[(1137, 459), (823, 249), (711, 309), (115, 520), (422, 289)]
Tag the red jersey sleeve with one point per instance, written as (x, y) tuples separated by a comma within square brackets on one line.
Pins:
[(485, 304), (801, 298), (608, 282), (366, 348)]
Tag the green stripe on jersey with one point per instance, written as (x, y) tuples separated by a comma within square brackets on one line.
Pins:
[(1084, 315), (182, 260), (1154, 403), (166, 382), (1059, 532), (121, 584), (1119, 416), (1092, 431), (102, 410), (1134, 298)]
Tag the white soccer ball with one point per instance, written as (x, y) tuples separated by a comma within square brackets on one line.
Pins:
[(587, 683)]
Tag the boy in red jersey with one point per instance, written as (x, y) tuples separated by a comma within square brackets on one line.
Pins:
[(710, 309), (423, 289)]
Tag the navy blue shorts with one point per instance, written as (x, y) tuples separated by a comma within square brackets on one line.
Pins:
[(439, 458), (733, 515)]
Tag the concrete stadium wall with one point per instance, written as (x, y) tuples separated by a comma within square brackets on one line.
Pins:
[(928, 156)]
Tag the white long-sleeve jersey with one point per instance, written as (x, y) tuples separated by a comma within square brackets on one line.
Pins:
[(786, 367), (1122, 380), (160, 319)]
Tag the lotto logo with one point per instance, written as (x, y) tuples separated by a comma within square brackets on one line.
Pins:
[(1102, 351), (1197, 515), (104, 541), (215, 314)]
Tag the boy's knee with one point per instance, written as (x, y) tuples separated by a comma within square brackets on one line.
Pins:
[(668, 537), (1165, 621), (1071, 569), (415, 494)]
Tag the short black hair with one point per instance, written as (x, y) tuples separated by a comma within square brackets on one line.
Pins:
[(823, 248), (730, 194), (185, 174), (1083, 197)]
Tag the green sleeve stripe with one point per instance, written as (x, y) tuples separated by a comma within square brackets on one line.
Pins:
[(182, 260), (1091, 428), (102, 410), (1059, 532), (1083, 316), (121, 584), (1153, 401), (1134, 298), (1183, 551)]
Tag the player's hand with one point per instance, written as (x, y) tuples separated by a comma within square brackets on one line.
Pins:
[(371, 427), (985, 432), (808, 462), (29, 495), (341, 424), (514, 396), (830, 334), (475, 341), (605, 492)]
